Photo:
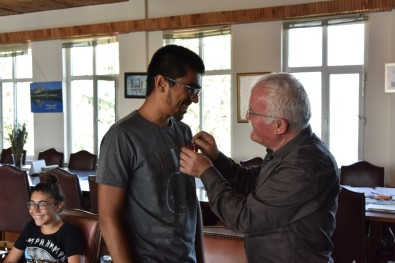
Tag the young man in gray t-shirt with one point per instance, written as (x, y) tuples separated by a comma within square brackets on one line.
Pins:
[(148, 209)]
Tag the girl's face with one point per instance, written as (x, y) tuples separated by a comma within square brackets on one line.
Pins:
[(45, 209)]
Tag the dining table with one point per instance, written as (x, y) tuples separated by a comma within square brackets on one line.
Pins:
[(83, 178)]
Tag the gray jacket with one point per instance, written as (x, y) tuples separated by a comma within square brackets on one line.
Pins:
[(286, 207)]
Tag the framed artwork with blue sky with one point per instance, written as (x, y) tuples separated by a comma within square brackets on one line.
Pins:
[(46, 96)]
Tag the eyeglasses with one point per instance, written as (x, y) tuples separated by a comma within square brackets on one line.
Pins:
[(193, 89), (41, 205), (252, 113)]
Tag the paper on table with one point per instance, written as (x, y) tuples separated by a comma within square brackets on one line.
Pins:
[(384, 191), (36, 166), (381, 208), (365, 190)]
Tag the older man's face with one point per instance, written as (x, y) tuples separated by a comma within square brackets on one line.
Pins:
[(263, 126)]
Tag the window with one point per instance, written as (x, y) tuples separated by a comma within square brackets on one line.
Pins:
[(213, 112), (91, 80), (327, 56), (15, 78)]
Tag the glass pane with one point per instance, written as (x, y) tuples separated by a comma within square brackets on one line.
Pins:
[(107, 59), (216, 118), (213, 112), (192, 117), (81, 61), (192, 44), (81, 115), (5, 67), (24, 113), (346, 44), (8, 109), (344, 121), (311, 81), (305, 47), (106, 107), (24, 66), (216, 47)]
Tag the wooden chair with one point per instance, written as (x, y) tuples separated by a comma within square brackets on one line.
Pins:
[(5, 247), (365, 174), (362, 174), (83, 160), (88, 223), (93, 192), (70, 185), (51, 157), (208, 217), (349, 237), (255, 161), (14, 194), (6, 157)]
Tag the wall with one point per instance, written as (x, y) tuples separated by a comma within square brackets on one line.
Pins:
[(47, 66), (256, 47), (380, 106), (131, 59)]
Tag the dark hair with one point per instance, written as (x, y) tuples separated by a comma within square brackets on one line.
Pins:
[(172, 61), (51, 186)]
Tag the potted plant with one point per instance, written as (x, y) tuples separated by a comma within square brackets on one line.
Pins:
[(17, 137)]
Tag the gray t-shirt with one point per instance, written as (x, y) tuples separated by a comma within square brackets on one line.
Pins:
[(160, 213)]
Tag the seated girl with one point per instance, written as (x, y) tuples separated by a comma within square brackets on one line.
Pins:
[(47, 238)]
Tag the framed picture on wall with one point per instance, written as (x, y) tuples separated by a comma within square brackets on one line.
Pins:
[(46, 97), (245, 81), (135, 84), (389, 78)]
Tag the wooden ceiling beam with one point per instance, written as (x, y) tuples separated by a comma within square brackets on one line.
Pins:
[(316, 9), (30, 6)]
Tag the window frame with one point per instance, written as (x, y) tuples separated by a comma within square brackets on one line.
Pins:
[(68, 79), (14, 51), (200, 33), (327, 71)]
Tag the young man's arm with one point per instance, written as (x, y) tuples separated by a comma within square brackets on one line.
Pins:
[(111, 204)]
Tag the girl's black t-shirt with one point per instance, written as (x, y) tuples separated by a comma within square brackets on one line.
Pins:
[(56, 247)]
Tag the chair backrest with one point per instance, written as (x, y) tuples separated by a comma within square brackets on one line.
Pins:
[(349, 237), (5, 247), (14, 194), (82, 160), (51, 157), (208, 217), (255, 161), (6, 157), (88, 223), (93, 192), (70, 185), (362, 174)]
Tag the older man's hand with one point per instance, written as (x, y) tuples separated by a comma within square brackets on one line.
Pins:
[(193, 163), (206, 144)]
